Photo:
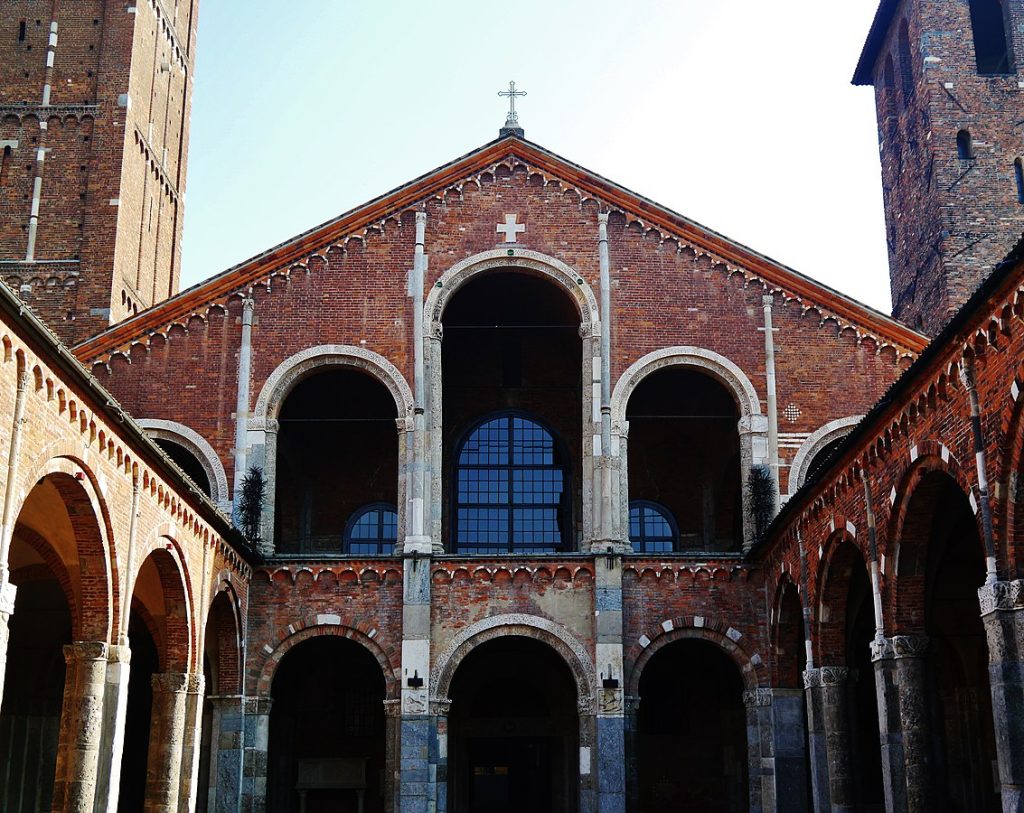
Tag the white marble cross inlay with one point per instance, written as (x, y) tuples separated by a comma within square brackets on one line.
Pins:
[(511, 228)]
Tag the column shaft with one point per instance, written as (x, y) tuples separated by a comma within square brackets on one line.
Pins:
[(830, 738), (256, 742), (115, 707), (226, 748), (166, 742), (917, 754), (191, 744), (890, 731)]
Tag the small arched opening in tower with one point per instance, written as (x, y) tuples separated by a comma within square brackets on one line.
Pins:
[(964, 145), (991, 46)]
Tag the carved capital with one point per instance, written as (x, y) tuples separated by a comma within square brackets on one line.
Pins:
[(79, 651), (826, 676), (910, 646), (392, 708), (881, 649), (167, 682), (440, 708), (195, 683), (1001, 596), (757, 697)]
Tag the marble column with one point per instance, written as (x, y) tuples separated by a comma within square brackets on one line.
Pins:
[(226, 749), (115, 707), (826, 689), (81, 726), (166, 742), (760, 750), (1002, 611), (192, 743), (890, 730), (256, 742)]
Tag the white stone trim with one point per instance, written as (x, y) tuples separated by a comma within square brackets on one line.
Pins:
[(302, 364), (815, 442), (198, 446), (714, 364)]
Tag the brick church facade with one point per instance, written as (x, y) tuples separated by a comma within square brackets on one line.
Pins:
[(570, 502)]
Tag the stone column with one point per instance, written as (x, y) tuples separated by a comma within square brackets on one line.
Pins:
[(631, 722), (256, 743), (192, 742), (1002, 611), (588, 756), (166, 742), (437, 757), (226, 748), (760, 750), (392, 750), (789, 743), (610, 745), (890, 730), (115, 707), (829, 737), (911, 671), (81, 726)]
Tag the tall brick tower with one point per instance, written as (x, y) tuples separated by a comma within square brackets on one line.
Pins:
[(95, 99), (950, 100)]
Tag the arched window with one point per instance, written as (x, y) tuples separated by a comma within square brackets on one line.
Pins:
[(906, 64), (372, 530), (964, 147), (991, 48), (1018, 173), (511, 488), (652, 528)]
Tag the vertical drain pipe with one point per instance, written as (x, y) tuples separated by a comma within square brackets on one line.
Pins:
[(773, 411), (242, 402), (605, 531), (37, 181), (967, 376)]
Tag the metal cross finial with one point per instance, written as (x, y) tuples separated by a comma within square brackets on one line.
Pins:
[(513, 118)]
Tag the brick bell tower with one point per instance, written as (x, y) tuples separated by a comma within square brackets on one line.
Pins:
[(949, 94), (95, 99)]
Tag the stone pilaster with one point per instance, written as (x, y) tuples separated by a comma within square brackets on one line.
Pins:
[(631, 721), (789, 737), (255, 742), (226, 749), (760, 750), (889, 727), (115, 708), (166, 742), (420, 748), (81, 726), (392, 750), (588, 756), (192, 743), (830, 738), (1002, 611), (609, 761)]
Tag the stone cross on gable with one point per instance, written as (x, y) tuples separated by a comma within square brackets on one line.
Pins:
[(511, 228)]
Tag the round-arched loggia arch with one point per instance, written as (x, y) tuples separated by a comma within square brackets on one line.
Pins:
[(752, 426), (264, 426), (575, 288), (200, 449), (817, 442)]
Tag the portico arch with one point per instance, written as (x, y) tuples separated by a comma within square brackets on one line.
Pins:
[(200, 448), (752, 426), (817, 442), (264, 426)]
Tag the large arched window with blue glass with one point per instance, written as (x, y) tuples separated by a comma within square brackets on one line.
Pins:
[(372, 530), (511, 488)]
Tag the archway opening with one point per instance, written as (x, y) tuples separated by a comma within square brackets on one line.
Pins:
[(684, 454), (55, 539), (187, 462), (822, 457), (941, 547), (327, 730), (337, 454), (145, 664), (513, 730), (691, 731), (512, 347)]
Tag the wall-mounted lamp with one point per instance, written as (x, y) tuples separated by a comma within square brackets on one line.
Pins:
[(609, 682), (415, 682)]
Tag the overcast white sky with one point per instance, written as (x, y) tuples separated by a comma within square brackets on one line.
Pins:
[(736, 113)]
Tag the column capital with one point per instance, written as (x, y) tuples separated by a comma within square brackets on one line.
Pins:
[(910, 646), (119, 653), (881, 649), (168, 682), (439, 707), (752, 698), (257, 704), (78, 651), (826, 676), (1001, 596)]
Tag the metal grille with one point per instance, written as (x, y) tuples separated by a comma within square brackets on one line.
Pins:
[(372, 531), (651, 527)]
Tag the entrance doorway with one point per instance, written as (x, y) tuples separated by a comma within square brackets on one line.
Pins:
[(514, 730)]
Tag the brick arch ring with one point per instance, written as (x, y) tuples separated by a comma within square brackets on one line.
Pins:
[(298, 366), (563, 642), (532, 262), (287, 642), (712, 632)]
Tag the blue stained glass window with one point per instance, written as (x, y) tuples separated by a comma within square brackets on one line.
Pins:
[(372, 530), (511, 491), (652, 528)]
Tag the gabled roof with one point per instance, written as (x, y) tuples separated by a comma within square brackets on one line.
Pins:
[(239, 277), (864, 74)]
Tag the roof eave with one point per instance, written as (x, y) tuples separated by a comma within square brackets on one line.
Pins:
[(864, 74)]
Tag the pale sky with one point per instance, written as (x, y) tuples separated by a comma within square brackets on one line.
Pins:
[(738, 114)]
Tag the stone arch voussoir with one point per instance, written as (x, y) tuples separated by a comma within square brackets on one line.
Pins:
[(200, 448)]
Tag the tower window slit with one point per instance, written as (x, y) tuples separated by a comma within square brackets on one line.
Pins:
[(21, 31), (991, 47), (1018, 174), (964, 146)]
